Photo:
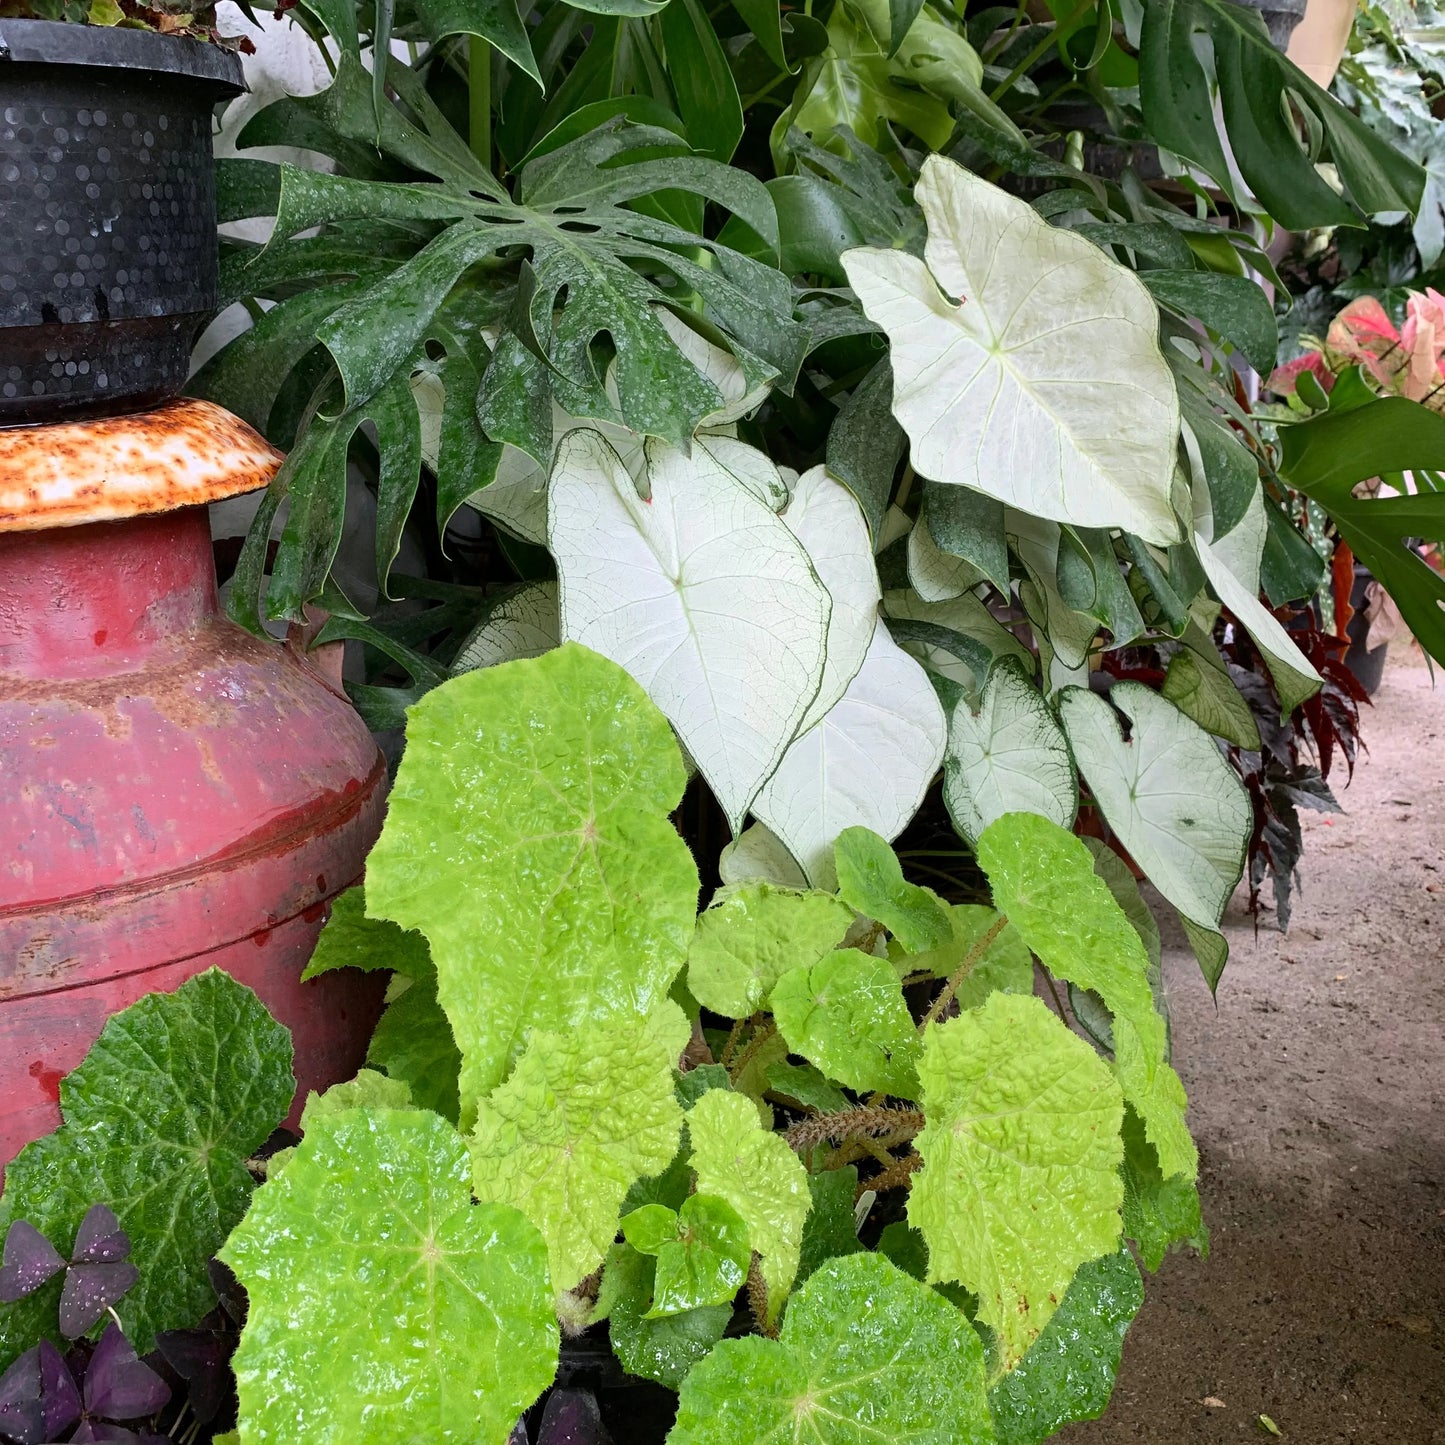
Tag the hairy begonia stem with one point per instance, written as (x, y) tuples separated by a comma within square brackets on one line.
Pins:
[(946, 993), (761, 1035), (854, 1124)]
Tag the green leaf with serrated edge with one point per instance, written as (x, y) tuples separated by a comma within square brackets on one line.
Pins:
[(561, 894), (702, 1252), (1006, 964), (661, 1348), (746, 942), (1069, 1373), (368, 1090), (454, 1334), (805, 1085), (754, 1171), (1020, 1180), (1175, 803), (830, 1231), (847, 1015), (352, 940), (1008, 756), (870, 879), (1159, 1213), (581, 1118), (692, 1085), (413, 1042), (865, 1354), (160, 1117), (1044, 879)]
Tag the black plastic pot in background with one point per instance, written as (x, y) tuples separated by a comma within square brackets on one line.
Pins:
[(1367, 664), (107, 190)]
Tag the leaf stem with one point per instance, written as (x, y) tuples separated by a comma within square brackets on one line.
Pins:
[(761, 1035), (1039, 50), (899, 1175), (946, 993), (733, 1039), (758, 1298)]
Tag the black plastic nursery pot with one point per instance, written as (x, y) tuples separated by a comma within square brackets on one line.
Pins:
[(107, 193)]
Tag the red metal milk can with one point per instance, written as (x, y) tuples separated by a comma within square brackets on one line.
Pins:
[(175, 794)]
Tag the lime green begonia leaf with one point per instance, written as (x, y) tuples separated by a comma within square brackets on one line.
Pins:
[(1006, 965), (352, 940), (702, 1252), (870, 879)]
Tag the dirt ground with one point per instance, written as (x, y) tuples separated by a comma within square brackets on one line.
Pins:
[(1317, 1091)]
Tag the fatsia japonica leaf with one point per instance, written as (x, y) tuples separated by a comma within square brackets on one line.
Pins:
[(702, 1252), (1069, 1372), (1020, 1179), (583, 1116), (352, 940), (1043, 878), (865, 1354), (700, 591), (1177, 806), (870, 879), (160, 1117), (1042, 384), (754, 1171), (1008, 756), (749, 939), (453, 1335), (527, 837), (847, 1015), (867, 764)]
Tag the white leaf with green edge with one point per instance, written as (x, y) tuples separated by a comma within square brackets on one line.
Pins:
[(453, 1335), (583, 1116), (936, 575), (527, 836), (160, 1116), (368, 1090), (1020, 1180), (1008, 756), (352, 940), (758, 855), (702, 1252), (1159, 1213), (870, 879), (868, 763), (746, 942), (656, 1347), (966, 616), (1043, 878), (701, 592), (846, 1014), (753, 1170), (1069, 1373), (866, 1354), (826, 518), (1043, 384), (522, 623), (1070, 634), (1006, 965), (1177, 806)]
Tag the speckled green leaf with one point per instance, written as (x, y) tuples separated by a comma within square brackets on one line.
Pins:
[(754, 1171), (1020, 1183), (870, 878), (744, 944), (847, 1015), (1006, 964), (830, 1230), (527, 837), (451, 1337), (352, 940), (584, 1115), (413, 1042), (1158, 1212), (1069, 1373), (702, 1252), (866, 1355), (657, 1348), (1044, 879), (160, 1118)]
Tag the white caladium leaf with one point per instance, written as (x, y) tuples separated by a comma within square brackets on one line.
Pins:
[(936, 575), (701, 592), (867, 764), (1010, 756), (826, 518), (970, 620), (1178, 807), (516, 498), (1043, 384), (758, 855), (1069, 634), (740, 394), (524, 622)]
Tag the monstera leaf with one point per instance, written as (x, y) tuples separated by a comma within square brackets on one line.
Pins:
[(1020, 1180), (562, 895), (865, 1354), (454, 1334), (1002, 389), (700, 591)]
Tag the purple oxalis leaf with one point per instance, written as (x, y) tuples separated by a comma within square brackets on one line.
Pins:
[(519, 1434), (201, 1358), (118, 1386), (100, 1239), (92, 1432), (90, 1290), (21, 1416), (572, 1418), (59, 1397), (30, 1259)]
